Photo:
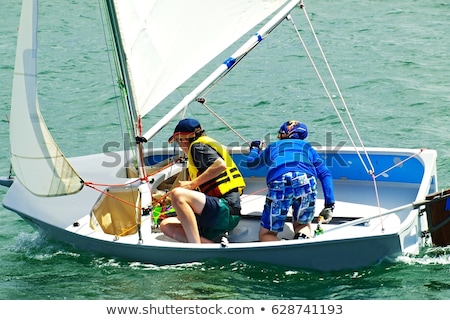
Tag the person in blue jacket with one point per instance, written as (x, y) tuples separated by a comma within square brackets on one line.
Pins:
[(293, 169)]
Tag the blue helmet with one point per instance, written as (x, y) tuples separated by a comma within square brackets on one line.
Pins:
[(293, 130)]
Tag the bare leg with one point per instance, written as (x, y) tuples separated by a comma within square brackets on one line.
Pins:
[(172, 228), (303, 228), (187, 203), (267, 235)]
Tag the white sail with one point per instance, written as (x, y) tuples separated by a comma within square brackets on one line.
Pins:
[(164, 48), (37, 161), (223, 68)]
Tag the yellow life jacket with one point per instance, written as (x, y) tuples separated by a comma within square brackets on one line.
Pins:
[(231, 179)]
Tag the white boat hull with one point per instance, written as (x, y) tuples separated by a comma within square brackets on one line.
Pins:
[(347, 243)]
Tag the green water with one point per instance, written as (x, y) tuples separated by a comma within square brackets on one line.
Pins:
[(391, 60)]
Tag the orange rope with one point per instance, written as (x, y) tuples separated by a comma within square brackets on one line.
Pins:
[(93, 186), (89, 184), (112, 196)]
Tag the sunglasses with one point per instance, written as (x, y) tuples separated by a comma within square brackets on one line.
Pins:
[(182, 140)]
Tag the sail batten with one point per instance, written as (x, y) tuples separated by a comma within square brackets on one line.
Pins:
[(37, 161)]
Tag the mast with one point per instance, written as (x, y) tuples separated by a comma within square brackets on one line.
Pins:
[(125, 83), (144, 200)]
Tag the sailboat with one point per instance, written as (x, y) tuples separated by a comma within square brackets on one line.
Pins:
[(382, 194)]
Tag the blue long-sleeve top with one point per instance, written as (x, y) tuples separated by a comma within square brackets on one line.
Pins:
[(287, 155)]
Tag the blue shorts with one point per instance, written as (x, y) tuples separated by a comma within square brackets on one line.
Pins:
[(293, 189), (217, 218)]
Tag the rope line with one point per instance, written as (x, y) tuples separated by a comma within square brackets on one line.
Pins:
[(362, 155), (203, 102), (112, 196), (367, 166), (400, 163), (337, 88)]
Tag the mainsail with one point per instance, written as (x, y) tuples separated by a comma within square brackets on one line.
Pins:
[(167, 41), (36, 159), (163, 42)]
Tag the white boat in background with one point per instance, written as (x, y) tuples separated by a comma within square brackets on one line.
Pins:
[(381, 193)]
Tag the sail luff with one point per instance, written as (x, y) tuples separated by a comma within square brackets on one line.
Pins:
[(121, 57), (223, 68), (37, 161), (125, 75)]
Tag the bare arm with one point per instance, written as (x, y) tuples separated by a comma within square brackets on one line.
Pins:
[(216, 168)]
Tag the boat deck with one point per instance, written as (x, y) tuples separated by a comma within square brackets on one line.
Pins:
[(353, 198), (353, 204)]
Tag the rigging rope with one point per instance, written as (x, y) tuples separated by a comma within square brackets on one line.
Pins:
[(366, 161), (367, 166), (108, 36), (368, 170), (399, 163), (203, 102)]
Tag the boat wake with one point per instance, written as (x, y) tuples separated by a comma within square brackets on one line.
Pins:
[(37, 247), (429, 256)]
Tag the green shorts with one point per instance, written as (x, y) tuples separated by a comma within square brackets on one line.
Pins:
[(217, 218)]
